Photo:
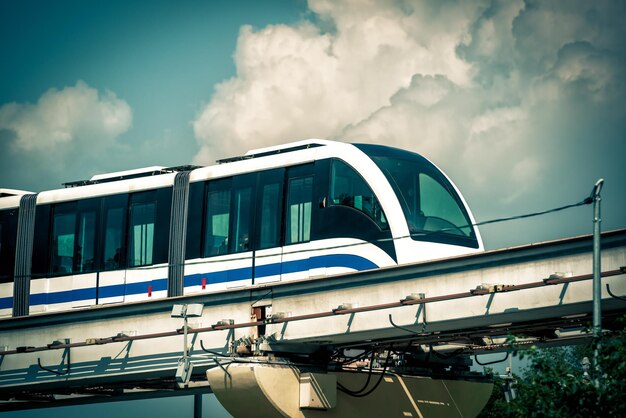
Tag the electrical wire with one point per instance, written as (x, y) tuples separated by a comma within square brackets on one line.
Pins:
[(367, 381), (363, 394), (491, 362), (68, 368), (586, 201), (406, 329), (613, 295), (215, 353)]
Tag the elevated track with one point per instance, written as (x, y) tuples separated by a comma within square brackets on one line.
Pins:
[(450, 308)]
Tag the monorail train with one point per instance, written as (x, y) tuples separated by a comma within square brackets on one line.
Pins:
[(301, 210)]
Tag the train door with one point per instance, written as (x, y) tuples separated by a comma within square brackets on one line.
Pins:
[(147, 245), (220, 233), (70, 279), (268, 215), (112, 277), (84, 279), (240, 261), (298, 217)]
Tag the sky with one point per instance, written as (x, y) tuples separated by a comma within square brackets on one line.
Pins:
[(521, 103)]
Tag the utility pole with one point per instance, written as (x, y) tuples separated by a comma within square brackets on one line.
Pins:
[(597, 283)]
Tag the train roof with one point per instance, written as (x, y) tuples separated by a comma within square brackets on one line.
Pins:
[(12, 192), (156, 176)]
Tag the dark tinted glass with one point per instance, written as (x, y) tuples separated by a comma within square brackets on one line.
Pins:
[(63, 239), (431, 206), (217, 220), (242, 220), (194, 220), (8, 239), (113, 238), (41, 246), (148, 227), (85, 249), (299, 207), (347, 188), (142, 233), (271, 204)]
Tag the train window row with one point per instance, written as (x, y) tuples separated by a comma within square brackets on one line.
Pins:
[(103, 233), (242, 213), (245, 212)]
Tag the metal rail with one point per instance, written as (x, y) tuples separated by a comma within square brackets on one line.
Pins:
[(468, 263)]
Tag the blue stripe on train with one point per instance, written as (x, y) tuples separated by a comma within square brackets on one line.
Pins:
[(351, 261), (63, 296), (6, 303), (334, 260), (90, 293), (219, 276)]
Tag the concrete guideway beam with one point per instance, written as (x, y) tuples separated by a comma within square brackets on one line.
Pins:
[(465, 299)]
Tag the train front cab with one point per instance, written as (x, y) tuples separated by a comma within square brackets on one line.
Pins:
[(437, 222), (347, 210)]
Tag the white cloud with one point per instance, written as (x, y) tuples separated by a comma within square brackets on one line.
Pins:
[(545, 27), (298, 82), (282, 91), (492, 119), (582, 72), (495, 92), (61, 118), (69, 130)]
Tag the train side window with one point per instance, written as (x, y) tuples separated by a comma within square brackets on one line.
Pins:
[(270, 209), (8, 240), (5, 259), (347, 188), (270, 214), (242, 220), (86, 234), (85, 249), (299, 208), (148, 227), (113, 238), (194, 221), (41, 245), (217, 220), (63, 239), (74, 230), (141, 234), (163, 197)]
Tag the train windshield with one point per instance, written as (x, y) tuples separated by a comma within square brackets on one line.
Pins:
[(433, 210)]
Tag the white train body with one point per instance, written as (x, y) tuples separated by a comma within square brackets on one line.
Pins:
[(306, 209)]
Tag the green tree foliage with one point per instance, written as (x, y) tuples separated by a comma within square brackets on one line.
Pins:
[(555, 384)]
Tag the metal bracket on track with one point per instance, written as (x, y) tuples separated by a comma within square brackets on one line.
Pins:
[(66, 358)]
